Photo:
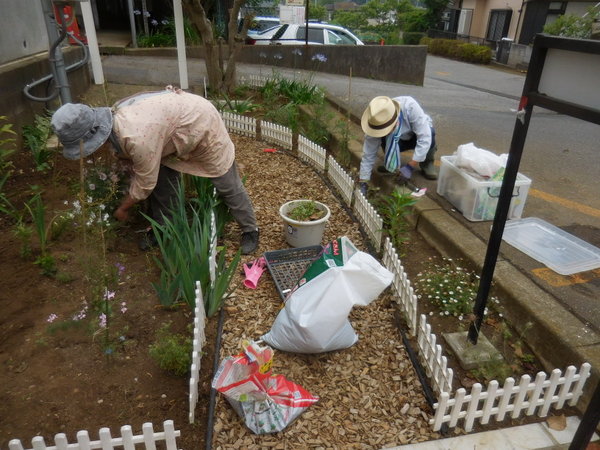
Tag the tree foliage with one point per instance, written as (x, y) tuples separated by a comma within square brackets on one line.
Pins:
[(569, 25)]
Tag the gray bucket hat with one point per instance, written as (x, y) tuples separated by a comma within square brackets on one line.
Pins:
[(74, 122)]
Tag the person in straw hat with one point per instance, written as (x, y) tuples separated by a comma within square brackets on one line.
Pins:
[(161, 134), (397, 124)]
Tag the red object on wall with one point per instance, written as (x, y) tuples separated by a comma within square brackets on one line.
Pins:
[(71, 22)]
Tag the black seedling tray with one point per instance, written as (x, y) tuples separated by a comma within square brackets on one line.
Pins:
[(287, 266)]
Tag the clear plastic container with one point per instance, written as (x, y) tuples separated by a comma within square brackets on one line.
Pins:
[(476, 198), (560, 251)]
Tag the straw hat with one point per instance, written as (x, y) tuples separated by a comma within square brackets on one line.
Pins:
[(380, 117), (73, 123)]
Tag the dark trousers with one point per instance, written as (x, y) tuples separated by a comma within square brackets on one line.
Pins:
[(229, 187), (411, 143)]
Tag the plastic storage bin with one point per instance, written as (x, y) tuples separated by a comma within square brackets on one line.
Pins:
[(476, 198)]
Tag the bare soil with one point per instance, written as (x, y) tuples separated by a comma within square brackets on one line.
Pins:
[(62, 381)]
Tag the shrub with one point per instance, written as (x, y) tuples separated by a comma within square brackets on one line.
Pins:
[(462, 51), (172, 352)]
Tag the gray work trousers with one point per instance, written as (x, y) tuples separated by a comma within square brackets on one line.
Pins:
[(229, 187)]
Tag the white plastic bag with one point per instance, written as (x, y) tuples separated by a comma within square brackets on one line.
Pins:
[(482, 162), (315, 316)]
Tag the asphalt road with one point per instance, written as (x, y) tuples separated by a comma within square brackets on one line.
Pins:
[(469, 103)]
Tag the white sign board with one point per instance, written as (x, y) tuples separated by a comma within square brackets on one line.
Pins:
[(571, 77), (292, 14)]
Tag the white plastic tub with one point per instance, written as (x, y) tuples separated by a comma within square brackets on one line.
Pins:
[(475, 197)]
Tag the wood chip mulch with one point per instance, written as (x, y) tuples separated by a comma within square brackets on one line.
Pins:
[(370, 396)]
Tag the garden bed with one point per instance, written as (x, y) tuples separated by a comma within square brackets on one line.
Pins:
[(62, 379)]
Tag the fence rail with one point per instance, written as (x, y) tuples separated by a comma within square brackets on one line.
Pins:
[(127, 441), (525, 397)]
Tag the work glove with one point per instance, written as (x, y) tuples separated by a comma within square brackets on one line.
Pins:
[(406, 171), (254, 272), (364, 187)]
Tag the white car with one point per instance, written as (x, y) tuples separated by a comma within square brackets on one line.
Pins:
[(294, 34)]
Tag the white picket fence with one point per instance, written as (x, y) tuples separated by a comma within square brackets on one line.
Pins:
[(245, 126), (524, 397), (127, 441), (312, 153), (495, 402), (369, 218), (340, 179), (406, 298), (430, 354), (198, 341), (276, 134)]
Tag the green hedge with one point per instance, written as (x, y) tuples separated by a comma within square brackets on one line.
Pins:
[(454, 49)]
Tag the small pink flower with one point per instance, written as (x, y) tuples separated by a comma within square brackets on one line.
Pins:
[(123, 307), (102, 320), (51, 318), (109, 295)]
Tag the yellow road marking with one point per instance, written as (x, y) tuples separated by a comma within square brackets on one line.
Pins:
[(584, 209), (557, 280), (443, 73)]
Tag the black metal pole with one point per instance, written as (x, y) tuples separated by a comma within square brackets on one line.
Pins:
[(588, 423), (508, 184)]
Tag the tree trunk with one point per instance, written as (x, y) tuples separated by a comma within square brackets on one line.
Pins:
[(221, 74)]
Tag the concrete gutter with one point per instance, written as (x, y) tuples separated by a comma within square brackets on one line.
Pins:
[(557, 337)]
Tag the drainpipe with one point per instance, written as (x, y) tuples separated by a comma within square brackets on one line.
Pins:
[(57, 63)]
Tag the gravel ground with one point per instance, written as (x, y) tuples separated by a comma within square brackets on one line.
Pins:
[(370, 396)]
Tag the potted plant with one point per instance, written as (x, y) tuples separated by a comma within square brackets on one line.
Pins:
[(304, 222)]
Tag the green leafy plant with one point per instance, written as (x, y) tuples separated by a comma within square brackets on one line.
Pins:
[(449, 286), (570, 25), (37, 210), (172, 352), (235, 106), (7, 148), (184, 240), (306, 211), (393, 209), (23, 232), (36, 138)]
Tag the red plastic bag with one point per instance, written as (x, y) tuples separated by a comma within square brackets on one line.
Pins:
[(267, 403)]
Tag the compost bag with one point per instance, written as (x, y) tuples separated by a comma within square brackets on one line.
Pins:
[(315, 315), (267, 403)]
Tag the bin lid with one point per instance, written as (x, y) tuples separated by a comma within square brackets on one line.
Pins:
[(560, 251)]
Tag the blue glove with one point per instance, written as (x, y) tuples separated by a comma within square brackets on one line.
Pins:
[(364, 187), (406, 171)]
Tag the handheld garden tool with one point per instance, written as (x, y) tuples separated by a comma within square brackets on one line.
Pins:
[(253, 272), (405, 180)]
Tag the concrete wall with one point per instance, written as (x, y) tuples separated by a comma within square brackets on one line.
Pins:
[(16, 75), (23, 30), (398, 63)]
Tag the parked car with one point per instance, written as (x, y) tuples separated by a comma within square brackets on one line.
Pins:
[(294, 34)]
